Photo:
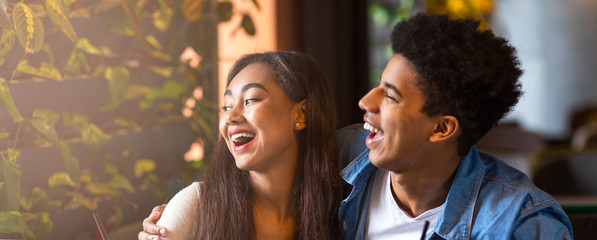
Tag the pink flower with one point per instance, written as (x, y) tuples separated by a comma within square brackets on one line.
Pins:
[(189, 55), (198, 93), (195, 152), (190, 103), (187, 112)]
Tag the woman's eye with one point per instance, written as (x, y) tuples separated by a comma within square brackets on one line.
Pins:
[(250, 100), (226, 108)]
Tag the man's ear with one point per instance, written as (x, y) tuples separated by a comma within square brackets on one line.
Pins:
[(445, 127), (301, 116)]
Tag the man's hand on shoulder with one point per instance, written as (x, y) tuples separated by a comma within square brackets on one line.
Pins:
[(151, 231)]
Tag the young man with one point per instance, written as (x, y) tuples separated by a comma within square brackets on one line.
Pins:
[(445, 87)]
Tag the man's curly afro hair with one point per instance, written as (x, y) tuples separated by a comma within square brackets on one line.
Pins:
[(469, 74)]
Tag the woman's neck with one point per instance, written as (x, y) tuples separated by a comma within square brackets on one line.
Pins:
[(272, 193), (273, 211)]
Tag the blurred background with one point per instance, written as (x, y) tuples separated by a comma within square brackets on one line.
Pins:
[(111, 106)]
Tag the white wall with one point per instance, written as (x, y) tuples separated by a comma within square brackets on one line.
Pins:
[(557, 45)]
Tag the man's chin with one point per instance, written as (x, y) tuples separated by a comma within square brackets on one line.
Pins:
[(375, 159)]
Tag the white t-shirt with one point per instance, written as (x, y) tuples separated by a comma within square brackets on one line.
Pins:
[(181, 211), (387, 221)]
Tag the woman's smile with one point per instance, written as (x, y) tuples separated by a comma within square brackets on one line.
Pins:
[(241, 139)]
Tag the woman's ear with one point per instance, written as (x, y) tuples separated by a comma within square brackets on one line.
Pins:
[(446, 126), (301, 115)]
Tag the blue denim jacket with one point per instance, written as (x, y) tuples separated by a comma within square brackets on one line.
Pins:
[(488, 199)]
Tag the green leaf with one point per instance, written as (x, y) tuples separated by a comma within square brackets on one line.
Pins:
[(12, 222), (89, 203), (3, 134), (170, 90), (120, 182), (50, 116), (37, 9), (118, 81), (1, 185), (76, 62), (7, 41), (111, 169), (224, 10), (161, 55), (61, 179), (247, 24), (124, 30), (70, 163), (11, 172), (8, 103), (117, 217), (135, 91), (43, 121), (162, 17), (46, 48), (143, 166), (192, 9), (59, 16), (94, 136), (86, 46), (197, 164), (29, 28), (165, 72), (74, 120), (102, 189), (5, 22), (154, 42), (26, 203), (129, 124), (45, 70), (69, 2), (38, 224)]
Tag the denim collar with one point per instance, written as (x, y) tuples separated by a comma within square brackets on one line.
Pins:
[(455, 222), (360, 168)]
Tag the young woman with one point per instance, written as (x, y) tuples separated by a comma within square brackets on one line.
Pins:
[(274, 172)]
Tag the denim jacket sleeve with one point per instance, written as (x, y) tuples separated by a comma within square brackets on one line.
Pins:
[(547, 223)]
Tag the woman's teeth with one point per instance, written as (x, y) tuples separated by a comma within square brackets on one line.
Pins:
[(241, 138), (370, 128)]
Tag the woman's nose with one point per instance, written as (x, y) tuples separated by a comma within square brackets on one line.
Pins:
[(233, 116)]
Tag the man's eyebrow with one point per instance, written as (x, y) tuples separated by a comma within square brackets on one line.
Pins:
[(390, 86), (246, 87)]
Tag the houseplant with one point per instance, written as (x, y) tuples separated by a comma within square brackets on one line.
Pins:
[(131, 48)]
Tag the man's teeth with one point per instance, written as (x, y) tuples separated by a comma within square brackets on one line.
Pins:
[(370, 128), (234, 137)]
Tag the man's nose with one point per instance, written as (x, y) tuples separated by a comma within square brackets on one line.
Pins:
[(370, 102)]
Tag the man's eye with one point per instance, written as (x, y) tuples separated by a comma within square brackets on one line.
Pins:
[(226, 108), (391, 98)]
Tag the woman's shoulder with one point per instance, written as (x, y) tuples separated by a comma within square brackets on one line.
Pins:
[(181, 211), (189, 192)]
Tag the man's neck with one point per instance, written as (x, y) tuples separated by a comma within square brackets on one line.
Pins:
[(420, 190)]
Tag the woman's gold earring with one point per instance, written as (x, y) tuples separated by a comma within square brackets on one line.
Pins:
[(296, 124)]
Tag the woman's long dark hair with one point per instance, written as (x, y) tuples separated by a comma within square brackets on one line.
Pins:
[(226, 208)]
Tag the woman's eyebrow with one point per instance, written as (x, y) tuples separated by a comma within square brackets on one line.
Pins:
[(246, 87)]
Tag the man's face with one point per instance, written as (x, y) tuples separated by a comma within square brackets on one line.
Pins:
[(400, 131)]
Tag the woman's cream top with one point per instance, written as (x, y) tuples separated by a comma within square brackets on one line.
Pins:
[(181, 211)]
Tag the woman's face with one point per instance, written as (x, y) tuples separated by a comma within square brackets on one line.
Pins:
[(258, 121)]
